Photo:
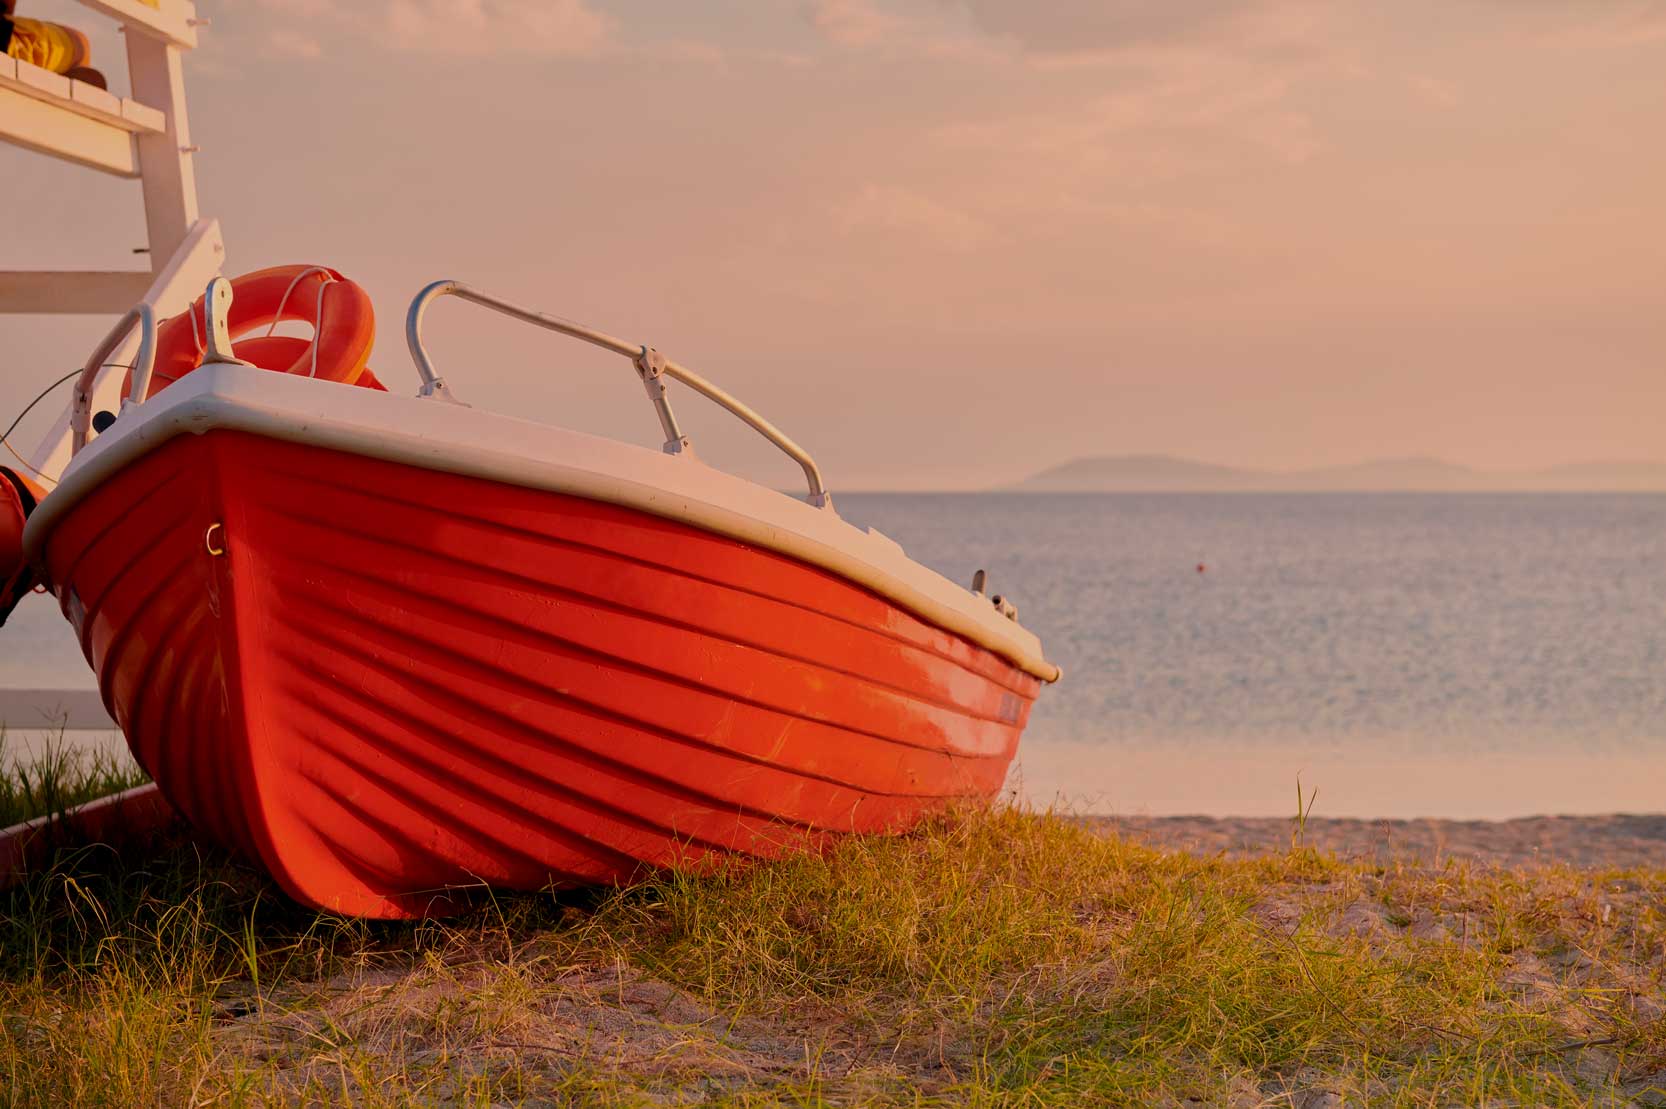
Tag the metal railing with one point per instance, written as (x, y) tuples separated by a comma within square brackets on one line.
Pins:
[(81, 408), (651, 366), (215, 335)]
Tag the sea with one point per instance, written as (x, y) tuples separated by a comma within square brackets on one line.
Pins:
[(1470, 656)]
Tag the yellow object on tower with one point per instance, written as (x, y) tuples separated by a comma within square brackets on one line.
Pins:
[(51, 46)]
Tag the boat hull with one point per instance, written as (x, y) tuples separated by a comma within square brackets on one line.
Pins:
[(386, 683)]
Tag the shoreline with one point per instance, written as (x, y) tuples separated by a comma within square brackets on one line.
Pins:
[(1402, 780), (1628, 837)]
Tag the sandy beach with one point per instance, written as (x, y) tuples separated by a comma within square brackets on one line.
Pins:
[(1616, 841)]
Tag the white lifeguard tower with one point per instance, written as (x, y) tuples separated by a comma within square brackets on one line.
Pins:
[(145, 137)]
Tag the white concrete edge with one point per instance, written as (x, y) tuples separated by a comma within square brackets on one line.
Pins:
[(435, 435)]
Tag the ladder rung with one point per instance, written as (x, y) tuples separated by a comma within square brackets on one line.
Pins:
[(80, 97), (142, 117), (72, 293), (73, 120), (36, 125)]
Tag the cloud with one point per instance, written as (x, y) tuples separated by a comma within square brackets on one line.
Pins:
[(1082, 27), (1182, 120), (481, 27), (1611, 24), (473, 28), (913, 29), (1133, 35), (888, 209), (1433, 91), (1071, 25), (292, 44), (300, 9), (853, 22)]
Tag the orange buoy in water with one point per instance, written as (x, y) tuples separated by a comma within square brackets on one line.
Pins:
[(1201, 568), (18, 497)]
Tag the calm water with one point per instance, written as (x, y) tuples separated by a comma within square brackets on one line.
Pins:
[(1418, 655), (1444, 622), (1412, 655)]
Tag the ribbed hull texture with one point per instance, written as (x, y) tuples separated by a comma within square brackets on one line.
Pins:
[(396, 683)]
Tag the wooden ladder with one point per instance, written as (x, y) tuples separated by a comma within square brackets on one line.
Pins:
[(144, 137)]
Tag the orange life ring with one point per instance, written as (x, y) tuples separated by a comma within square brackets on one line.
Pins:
[(340, 311), (18, 498)]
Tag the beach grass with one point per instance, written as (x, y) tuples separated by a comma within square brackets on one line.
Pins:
[(57, 777), (993, 958)]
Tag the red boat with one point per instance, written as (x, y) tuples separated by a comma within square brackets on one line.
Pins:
[(392, 647)]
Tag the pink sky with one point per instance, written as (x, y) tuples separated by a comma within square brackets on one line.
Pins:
[(951, 242)]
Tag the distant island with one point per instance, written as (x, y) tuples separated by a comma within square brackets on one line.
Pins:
[(1156, 473)]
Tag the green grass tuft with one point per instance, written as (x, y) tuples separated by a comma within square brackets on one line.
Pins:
[(59, 777)]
